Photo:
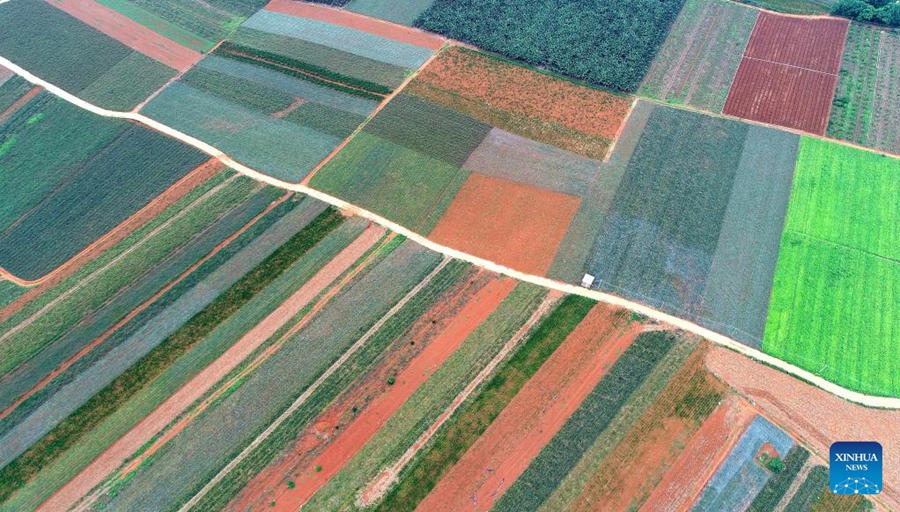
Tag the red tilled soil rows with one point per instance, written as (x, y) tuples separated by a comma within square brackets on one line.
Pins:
[(810, 43), (178, 190), (503, 221), (169, 410), (634, 468), (357, 397), (130, 33), (536, 414), (814, 415), (789, 72), (19, 102), (364, 426), (706, 450), (359, 22), (783, 95)]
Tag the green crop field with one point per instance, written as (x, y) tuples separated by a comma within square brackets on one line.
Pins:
[(698, 62), (404, 12), (865, 109), (399, 183), (794, 6), (829, 311)]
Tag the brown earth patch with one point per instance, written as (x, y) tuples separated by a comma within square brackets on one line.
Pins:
[(705, 451), (130, 33), (506, 222), (812, 414), (811, 43), (392, 397), (359, 22), (169, 197), (523, 101), (168, 411), (635, 467), (536, 414), (6, 114), (783, 95), (357, 397)]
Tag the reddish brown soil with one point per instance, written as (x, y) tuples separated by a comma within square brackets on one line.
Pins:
[(634, 468), (365, 425), (506, 222), (523, 101), (810, 43), (814, 415), (783, 95), (359, 22), (5, 74), (178, 190), (168, 411), (536, 414), (6, 114), (710, 445), (310, 442), (130, 33)]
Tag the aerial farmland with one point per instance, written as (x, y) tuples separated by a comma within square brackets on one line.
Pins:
[(448, 255)]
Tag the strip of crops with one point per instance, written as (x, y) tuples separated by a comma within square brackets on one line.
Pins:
[(206, 351), (299, 69), (814, 494), (770, 495), (471, 421), (11, 90), (9, 292), (139, 165), (51, 446), (606, 43), (573, 484), (212, 24), (430, 400), (211, 441), (594, 415), (404, 12), (50, 316), (168, 29), (128, 83), (168, 269), (383, 342), (246, 93), (399, 183)]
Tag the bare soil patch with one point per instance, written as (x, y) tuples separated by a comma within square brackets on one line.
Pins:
[(536, 414), (359, 22), (512, 224), (130, 33)]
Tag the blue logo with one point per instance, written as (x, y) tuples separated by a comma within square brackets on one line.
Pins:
[(856, 468)]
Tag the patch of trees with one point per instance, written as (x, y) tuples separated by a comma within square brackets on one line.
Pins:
[(885, 12)]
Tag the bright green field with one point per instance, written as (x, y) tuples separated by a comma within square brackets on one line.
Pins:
[(837, 283)]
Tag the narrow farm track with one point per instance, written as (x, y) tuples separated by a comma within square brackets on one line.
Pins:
[(720, 339)]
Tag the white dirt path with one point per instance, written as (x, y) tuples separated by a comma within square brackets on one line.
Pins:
[(720, 339)]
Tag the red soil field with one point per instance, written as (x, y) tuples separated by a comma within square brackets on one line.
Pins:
[(634, 468), (536, 414), (706, 450), (359, 22), (814, 415), (18, 103), (169, 197), (783, 95), (168, 411), (333, 458), (810, 43), (310, 442), (130, 33), (506, 222)]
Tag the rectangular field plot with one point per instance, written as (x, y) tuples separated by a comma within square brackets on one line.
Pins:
[(404, 12), (831, 310), (789, 72), (741, 476), (701, 55), (32, 34), (865, 107)]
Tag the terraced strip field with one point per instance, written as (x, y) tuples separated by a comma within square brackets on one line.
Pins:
[(829, 264), (94, 66), (698, 62), (863, 110)]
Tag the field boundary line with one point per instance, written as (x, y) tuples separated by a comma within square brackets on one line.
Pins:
[(315, 385), (720, 339), (788, 65), (377, 487)]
